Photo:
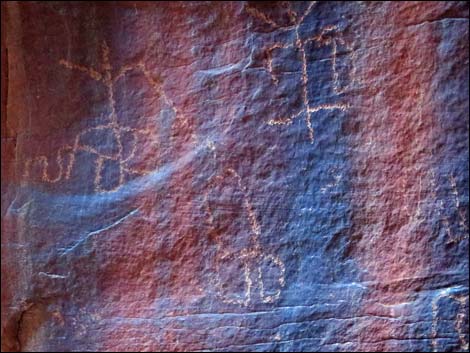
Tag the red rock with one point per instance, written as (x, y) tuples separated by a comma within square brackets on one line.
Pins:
[(287, 176)]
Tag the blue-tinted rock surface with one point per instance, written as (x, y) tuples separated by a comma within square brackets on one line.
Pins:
[(247, 176)]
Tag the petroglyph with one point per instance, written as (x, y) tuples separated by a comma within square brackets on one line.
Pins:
[(245, 254), (462, 300), (44, 165), (112, 129), (462, 219), (329, 36), (293, 16), (444, 217)]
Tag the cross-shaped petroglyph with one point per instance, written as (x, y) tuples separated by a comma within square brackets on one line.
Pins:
[(112, 129), (327, 37), (462, 314), (252, 258)]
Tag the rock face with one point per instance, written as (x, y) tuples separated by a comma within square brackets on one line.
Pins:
[(286, 176)]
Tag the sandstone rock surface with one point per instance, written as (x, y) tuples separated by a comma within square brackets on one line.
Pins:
[(241, 176)]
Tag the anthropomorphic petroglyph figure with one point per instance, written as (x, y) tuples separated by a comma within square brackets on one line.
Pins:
[(241, 264), (90, 140), (329, 36)]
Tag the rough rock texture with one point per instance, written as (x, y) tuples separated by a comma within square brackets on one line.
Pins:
[(235, 176)]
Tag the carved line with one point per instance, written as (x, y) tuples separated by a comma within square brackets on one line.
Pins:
[(269, 59), (461, 299), (445, 219), (455, 192), (108, 80), (321, 39), (258, 14), (291, 13), (247, 256)]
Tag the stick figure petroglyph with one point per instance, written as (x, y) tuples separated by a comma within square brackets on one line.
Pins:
[(329, 36), (112, 130), (240, 252)]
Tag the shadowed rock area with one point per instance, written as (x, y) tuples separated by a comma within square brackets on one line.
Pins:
[(235, 176)]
